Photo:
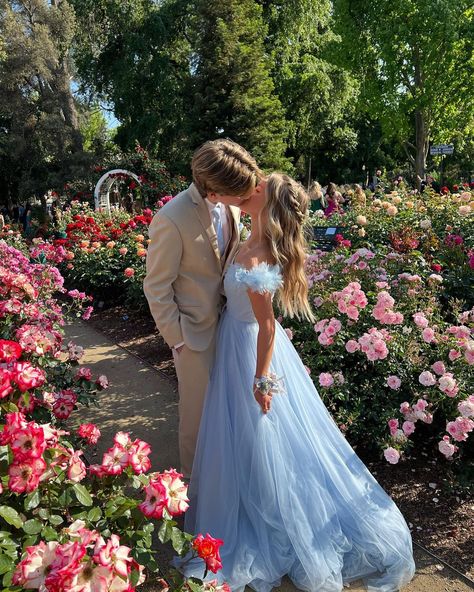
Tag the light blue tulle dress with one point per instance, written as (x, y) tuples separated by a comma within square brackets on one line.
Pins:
[(285, 491)]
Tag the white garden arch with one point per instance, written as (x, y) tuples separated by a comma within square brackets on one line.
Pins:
[(104, 186)]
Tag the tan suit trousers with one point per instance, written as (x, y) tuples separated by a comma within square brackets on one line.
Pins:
[(193, 370)]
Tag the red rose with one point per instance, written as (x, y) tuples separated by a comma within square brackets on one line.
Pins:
[(27, 377), (208, 549), (9, 350), (444, 189), (5, 383), (436, 267)]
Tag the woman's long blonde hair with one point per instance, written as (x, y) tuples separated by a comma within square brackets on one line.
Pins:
[(287, 209)]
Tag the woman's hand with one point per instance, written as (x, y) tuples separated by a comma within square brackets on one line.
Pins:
[(263, 400)]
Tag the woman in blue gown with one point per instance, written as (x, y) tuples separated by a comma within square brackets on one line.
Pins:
[(273, 475)]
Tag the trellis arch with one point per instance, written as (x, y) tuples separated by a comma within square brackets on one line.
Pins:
[(105, 184)]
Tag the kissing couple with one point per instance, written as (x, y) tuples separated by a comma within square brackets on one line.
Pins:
[(271, 475)]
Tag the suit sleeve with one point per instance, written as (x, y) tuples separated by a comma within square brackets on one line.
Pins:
[(162, 267)]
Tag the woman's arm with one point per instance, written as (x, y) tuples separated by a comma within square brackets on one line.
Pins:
[(263, 311)]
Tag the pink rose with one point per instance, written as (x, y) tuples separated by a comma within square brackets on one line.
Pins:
[(427, 379), (447, 384), (129, 272), (77, 469), (393, 425), (352, 346), (466, 407), (391, 455), (454, 354), (408, 428), (102, 382), (89, 432), (394, 382), (428, 335), (439, 368), (83, 373), (86, 315), (446, 448), (326, 379), (420, 320)]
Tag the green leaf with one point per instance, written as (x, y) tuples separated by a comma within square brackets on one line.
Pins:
[(55, 519), (49, 533), (83, 496), (194, 584), (32, 526), (7, 579), (6, 564), (165, 531), (94, 514), (177, 540), (29, 541), (43, 513), (134, 577), (11, 516), (32, 500), (10, 407)]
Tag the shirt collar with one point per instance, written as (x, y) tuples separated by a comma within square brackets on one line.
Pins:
[(211, 206)]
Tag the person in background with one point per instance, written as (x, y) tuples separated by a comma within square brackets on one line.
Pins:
[(359, 199), (334, 199), (318, 200)]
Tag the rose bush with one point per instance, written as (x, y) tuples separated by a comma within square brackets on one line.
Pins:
[(68, 526), (101, 254), (440, 226), (390, 365)]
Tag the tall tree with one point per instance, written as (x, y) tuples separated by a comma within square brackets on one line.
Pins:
[(415, 60), (135, 55), (37, 110), (318, 96), (233, 89)]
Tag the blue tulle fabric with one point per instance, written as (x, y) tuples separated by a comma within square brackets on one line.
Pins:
[(285, 491)]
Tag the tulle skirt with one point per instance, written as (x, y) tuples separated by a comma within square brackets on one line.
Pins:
[(285, 491)]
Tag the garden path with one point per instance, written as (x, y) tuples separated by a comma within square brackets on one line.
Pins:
[(141, 401)]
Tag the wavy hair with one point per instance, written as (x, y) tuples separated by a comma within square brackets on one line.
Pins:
[(225, 167), (287, 208)]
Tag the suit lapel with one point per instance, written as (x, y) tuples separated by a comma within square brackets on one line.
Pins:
[(202, 213)]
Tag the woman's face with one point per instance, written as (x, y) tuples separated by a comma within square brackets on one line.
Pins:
[(256, 201)]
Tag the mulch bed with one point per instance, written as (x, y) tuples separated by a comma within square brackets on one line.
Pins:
[(439, 512)]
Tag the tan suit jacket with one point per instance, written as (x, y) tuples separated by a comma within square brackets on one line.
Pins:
[(184, 270)]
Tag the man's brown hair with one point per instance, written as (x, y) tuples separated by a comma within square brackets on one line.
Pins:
[(223, 166)]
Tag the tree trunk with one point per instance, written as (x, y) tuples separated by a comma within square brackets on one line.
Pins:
[(421, 129), (421, 147), (67, 105), (62, 85)]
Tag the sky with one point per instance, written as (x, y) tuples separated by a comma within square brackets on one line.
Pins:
[(112, 121)]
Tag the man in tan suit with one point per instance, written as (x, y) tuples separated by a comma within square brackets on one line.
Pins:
[(193, 239)]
